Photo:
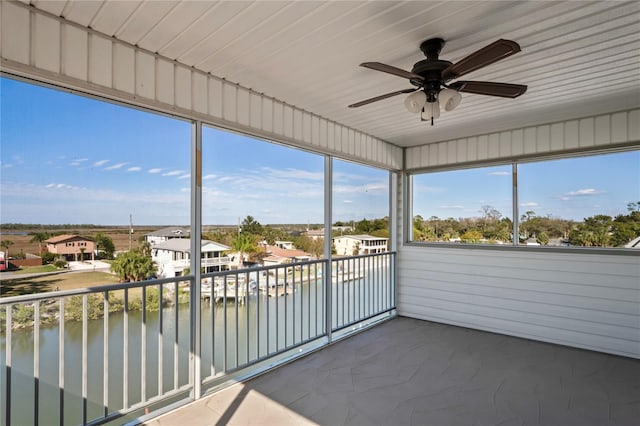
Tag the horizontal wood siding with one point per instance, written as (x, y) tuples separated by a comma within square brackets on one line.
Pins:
[(44, 47), (589, 301), (602, 131)]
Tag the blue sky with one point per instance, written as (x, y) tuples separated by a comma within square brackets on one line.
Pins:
[(70, 159)]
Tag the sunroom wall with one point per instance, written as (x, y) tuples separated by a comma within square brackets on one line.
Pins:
[(586, 299), (47, 48)]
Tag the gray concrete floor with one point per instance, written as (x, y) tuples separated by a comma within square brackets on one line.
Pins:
[(406, 372)]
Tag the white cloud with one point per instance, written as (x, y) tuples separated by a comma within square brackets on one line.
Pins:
[(185, 176), (530, 204), (60, 186), (173, 173), (154, 171), (584, 192), (456, 207), (78, 161), (115, 166), (499, 174), (293, 174), (134, 169), (100, 163), (347, 202), (206, 177)]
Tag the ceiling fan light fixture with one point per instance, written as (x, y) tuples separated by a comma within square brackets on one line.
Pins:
[(415, 101), (431, 111), (449, 99)]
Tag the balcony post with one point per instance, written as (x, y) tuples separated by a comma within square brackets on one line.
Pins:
[(195, 264), (328, 215)]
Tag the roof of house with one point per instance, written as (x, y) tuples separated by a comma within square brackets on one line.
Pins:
[(170, 231), (65, 237), (280, 252), (184, 245), (363, 237)]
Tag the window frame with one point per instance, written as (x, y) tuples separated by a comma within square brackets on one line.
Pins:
[(407, 184)]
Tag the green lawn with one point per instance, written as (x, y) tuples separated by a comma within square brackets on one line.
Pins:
[(36, 269), (62, 281)]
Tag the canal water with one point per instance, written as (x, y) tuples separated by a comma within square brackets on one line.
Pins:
[(231, 337)]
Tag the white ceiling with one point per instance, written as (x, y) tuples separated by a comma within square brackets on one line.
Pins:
[(578, 58)]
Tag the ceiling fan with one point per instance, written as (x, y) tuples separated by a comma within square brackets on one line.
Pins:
[(431, 78)]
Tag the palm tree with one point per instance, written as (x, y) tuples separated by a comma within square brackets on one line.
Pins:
[(39, 237), (5, 244), (243, 243)]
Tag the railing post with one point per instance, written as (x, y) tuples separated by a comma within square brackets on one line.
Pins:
[(196, 248), (328, 214)]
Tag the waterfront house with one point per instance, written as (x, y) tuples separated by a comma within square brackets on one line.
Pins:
[(173, 256), (72, 247), (277, 255), (350, 245), (486, 333), (166, 234)]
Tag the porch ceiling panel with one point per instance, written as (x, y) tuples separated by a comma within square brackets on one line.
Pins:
[(578, 58)]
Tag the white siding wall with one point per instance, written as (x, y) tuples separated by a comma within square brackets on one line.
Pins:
[(585, 300), (43, 47), (619, 128)]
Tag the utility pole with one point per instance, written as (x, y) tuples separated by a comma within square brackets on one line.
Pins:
[(130, 229)]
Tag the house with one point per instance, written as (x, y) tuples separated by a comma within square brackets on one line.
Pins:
[(174, 256), (166, 234), (278, 255), (287, 245), (315, 234), (72, 247), (349, 245), (336, 230)]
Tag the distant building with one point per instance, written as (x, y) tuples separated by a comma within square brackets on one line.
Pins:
[(166, 234), (278, 256), (336, 230), (314, 234), (174, 256), (72, 247), (287, 245), (350, 245)]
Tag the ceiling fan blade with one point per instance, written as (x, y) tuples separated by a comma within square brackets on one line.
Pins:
[(505, 90), (494, 52), (381, 97), (391, 70)]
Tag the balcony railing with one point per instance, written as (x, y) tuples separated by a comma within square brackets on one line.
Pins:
[(93, 355)]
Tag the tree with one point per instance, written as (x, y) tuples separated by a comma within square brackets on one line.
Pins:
[(82, 250), (5, 244), (105, 245), (39, 237), (133, 265), (593, 232), (251, 226), (542, 239), (471, 236), (243, 243)]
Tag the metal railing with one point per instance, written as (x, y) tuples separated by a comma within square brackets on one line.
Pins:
[(89, 356)]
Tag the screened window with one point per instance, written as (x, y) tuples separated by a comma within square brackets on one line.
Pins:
[(463, 206), (257, 195), (586, 201), (360, 209)]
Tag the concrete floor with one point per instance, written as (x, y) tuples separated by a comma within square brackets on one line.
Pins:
[(406, 372)]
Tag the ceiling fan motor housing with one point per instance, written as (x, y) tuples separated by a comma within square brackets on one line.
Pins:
[(430, 69)]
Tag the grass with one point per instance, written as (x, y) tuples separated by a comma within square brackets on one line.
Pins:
[(62, 281), (36, 269)]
